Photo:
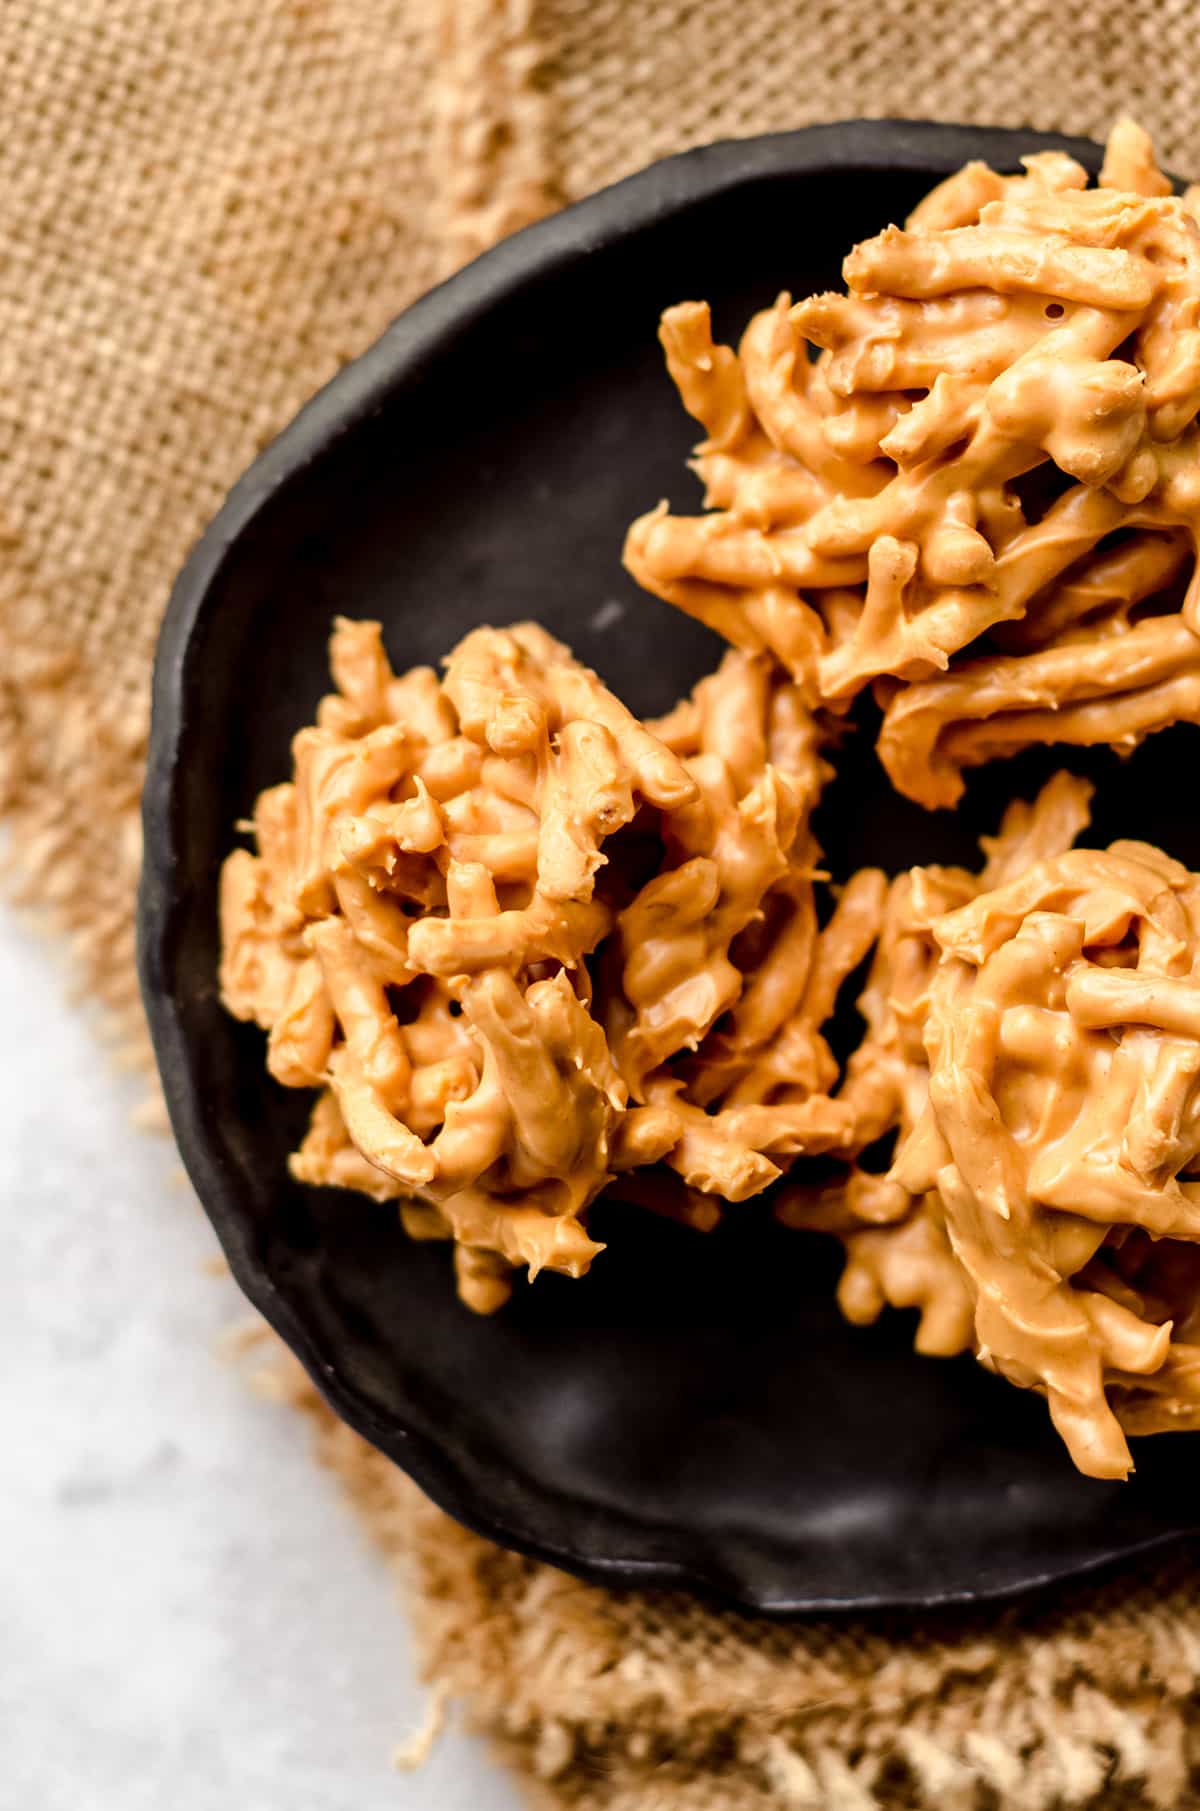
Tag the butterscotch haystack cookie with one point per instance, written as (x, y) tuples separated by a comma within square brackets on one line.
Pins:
[(982, 495), (525, 945), (1034, 1039)]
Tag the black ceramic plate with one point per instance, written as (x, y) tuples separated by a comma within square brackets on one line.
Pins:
[(695, 1411)]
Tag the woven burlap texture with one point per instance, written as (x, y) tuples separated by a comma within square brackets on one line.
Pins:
[(208, 205)]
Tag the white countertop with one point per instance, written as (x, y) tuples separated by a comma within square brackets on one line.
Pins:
[(189, 1615)]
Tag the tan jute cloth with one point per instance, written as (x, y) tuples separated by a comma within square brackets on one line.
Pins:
[(208, 205)]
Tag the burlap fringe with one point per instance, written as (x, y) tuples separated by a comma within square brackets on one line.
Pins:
[(649, 1702), (75, 852), (636, 1701)]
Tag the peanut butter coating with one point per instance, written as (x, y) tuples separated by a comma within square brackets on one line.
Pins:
[(982, 496), (1033, 1039), (1063, 1042), (447, 929)]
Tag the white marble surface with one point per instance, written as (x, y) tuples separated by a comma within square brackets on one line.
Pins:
[(189, 1616)]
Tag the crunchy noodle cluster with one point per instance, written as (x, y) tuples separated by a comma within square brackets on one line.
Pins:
[(449, 927), (1034, 1038), (983, 496)]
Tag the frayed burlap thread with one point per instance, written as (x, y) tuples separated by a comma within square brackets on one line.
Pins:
[(613, 1701), (208, 206), (493, 142)]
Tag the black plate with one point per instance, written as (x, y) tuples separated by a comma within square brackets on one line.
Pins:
[(695, 1411)]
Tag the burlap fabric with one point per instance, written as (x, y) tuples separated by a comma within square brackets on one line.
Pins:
[(207, 206)]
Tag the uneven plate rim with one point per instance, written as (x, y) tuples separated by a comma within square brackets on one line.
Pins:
[(633, 205)]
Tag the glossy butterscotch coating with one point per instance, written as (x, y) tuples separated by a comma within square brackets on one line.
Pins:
[(413, 928), (1033, 1038), (446, 929), (1064, 1113), (983, 494), (897, 1253)]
